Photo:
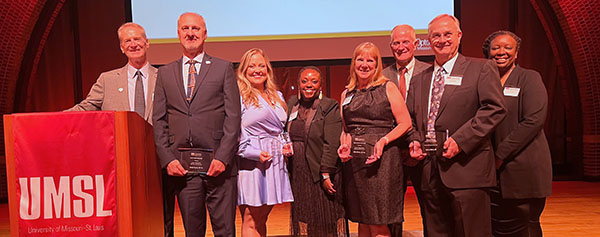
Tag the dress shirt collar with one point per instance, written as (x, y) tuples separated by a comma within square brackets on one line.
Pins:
[(198, 58), (448, 66), (132, 70), (409, 66)]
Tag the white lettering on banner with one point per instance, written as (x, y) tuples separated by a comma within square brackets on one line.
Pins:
[(60, 198), (50, 193), (25, 197), (100, 197), (78, 205)]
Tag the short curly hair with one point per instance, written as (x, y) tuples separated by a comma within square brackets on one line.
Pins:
[(488, 41)]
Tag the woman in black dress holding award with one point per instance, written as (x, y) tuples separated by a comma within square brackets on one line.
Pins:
[(374, 116), (314, 126)]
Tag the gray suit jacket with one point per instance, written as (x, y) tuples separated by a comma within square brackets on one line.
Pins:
[(391, 72), (520, 141), (470, 112), (110, 93), (210, 120)]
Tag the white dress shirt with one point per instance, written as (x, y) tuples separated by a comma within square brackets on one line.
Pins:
[(448, 66), (410, 68), (186, 68)]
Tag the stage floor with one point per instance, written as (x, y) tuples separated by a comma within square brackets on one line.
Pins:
[(572, 210)]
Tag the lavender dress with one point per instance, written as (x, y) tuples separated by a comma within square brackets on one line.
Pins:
[(262, 183)]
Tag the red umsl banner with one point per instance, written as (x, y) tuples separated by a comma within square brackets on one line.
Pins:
[(65, 173)]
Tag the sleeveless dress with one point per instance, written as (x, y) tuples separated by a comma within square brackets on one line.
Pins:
[(262, 183), (313, 212), (372, 193)]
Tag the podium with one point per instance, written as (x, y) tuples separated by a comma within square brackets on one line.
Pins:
[(82, 174)]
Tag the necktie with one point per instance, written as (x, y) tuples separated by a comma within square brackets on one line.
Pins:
[(436, 96), (402, 81), (191, 79), (139, 101)]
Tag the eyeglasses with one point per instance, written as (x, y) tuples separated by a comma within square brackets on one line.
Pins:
[(437, 36)]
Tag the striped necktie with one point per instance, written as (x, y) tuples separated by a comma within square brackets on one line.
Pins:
[(191, 82)]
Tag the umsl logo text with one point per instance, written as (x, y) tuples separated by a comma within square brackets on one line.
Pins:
[(57, 200)]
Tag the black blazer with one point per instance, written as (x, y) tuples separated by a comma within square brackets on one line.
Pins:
[(210, 120), (470, 112), (520, 141), (323, 137)]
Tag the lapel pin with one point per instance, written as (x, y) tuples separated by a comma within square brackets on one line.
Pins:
[(121, 89), (208, 62)]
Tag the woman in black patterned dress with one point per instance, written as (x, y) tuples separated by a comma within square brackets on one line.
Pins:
[(374, 116)]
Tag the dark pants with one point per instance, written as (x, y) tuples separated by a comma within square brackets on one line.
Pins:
[(516, 217), (412, 170), (452, 212), (168, 204), (195, 194)]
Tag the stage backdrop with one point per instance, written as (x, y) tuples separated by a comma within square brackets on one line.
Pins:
[(65, 174)]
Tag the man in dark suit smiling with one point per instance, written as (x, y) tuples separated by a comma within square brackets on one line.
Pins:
[(455, 105), (197, 105)]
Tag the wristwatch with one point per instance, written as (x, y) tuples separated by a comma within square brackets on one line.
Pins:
[(324, 176)]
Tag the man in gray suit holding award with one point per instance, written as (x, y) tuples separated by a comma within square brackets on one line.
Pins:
[(129, 88), (197, 117)]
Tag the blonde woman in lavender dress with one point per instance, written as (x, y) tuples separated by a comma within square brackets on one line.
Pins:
[(263, 179)]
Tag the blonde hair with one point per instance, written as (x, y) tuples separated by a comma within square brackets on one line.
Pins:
[(377, 78), (250, 94)]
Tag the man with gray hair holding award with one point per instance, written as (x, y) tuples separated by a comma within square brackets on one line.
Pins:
[(455, 105)]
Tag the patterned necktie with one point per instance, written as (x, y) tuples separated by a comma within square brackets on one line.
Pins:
[(139, 101), (191, 79), (436, 96), (402, 81)]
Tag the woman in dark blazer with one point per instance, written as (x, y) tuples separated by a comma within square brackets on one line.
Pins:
[(314, 125), (523, 162)]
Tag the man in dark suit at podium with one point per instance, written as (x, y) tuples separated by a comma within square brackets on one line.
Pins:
[(123, 89), (403, 42), (197, 106)]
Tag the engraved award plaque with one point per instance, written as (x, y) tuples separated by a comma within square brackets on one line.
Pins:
[(196, 160)]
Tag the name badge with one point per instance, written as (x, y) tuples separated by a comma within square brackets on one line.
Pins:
[(453, 80), (511, 91), (293, 116), (347, 100)]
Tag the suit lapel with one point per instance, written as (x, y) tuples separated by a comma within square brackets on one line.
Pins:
[(150, 93), (179, 79), (395, 76), (460, 66), (513, 78), (425, 88), (419, 67), (206, 63), (123, 93)]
